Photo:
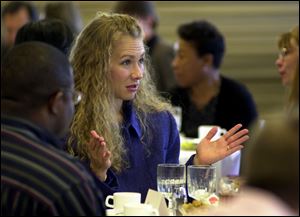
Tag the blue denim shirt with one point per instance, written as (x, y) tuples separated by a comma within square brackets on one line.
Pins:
[(161, 141)]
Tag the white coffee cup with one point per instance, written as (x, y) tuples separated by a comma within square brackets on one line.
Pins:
[(121, 198), (142, 209), (204, 129)]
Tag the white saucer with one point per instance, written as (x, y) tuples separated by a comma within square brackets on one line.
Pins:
[(114, 212)]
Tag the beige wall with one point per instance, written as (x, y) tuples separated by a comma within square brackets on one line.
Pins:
[(251, 30)]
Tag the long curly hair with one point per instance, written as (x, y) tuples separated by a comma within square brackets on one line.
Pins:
[(90, 58)]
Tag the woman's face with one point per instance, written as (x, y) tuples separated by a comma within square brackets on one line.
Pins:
[(287, 62), (127, 66), (187, 65)]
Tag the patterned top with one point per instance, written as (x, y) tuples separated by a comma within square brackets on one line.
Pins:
[(37, 178)]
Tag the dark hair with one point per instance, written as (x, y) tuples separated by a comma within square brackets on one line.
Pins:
[(32, 71), (14, 6), (140, 9), (206, 38), (52, 32)]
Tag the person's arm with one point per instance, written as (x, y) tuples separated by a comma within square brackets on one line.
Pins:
[(99, 164), (109, 186)]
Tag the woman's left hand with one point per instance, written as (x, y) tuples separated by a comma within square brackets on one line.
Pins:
[(208, 152)]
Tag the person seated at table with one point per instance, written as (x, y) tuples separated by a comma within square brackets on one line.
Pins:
[(271, 171), (205, 96), (288, 67), (288, 58), (38, 178), (123, 129)]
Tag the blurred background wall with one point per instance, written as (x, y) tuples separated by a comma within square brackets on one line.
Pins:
[(251, 29)]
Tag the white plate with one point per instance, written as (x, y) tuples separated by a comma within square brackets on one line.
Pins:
[(114, 212)]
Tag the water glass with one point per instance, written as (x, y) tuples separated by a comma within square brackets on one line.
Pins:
[(201, 181), (229, 185), (171, 180)]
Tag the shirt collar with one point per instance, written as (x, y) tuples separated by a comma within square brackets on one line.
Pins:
[(31, 130), (130, 118)]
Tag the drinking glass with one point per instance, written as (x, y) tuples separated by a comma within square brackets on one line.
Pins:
[(201, 181), (229, 186), (171, 180)]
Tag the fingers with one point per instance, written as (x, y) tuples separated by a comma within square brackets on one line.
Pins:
[(234, 149), (238, 142), (107, 155), (232, 131), (97, 143), (238, 135), (96, 136), (211, 133), (101, 147)]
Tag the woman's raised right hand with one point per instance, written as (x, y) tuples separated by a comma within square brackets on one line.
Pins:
[(100, 156)]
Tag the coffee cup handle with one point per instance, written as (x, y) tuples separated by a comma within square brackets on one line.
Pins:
[(222, 132), (109, 197)]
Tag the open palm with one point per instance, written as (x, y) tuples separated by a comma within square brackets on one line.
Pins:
[(209, 152), (99, 155)]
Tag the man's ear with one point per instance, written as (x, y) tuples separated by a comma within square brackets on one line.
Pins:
[(208, 60), (55, 102)]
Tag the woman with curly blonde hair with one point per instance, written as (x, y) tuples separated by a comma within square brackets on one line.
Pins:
[(120, 103)]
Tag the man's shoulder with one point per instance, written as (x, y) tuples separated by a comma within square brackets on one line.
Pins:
[(44, 173), (43, 160)]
